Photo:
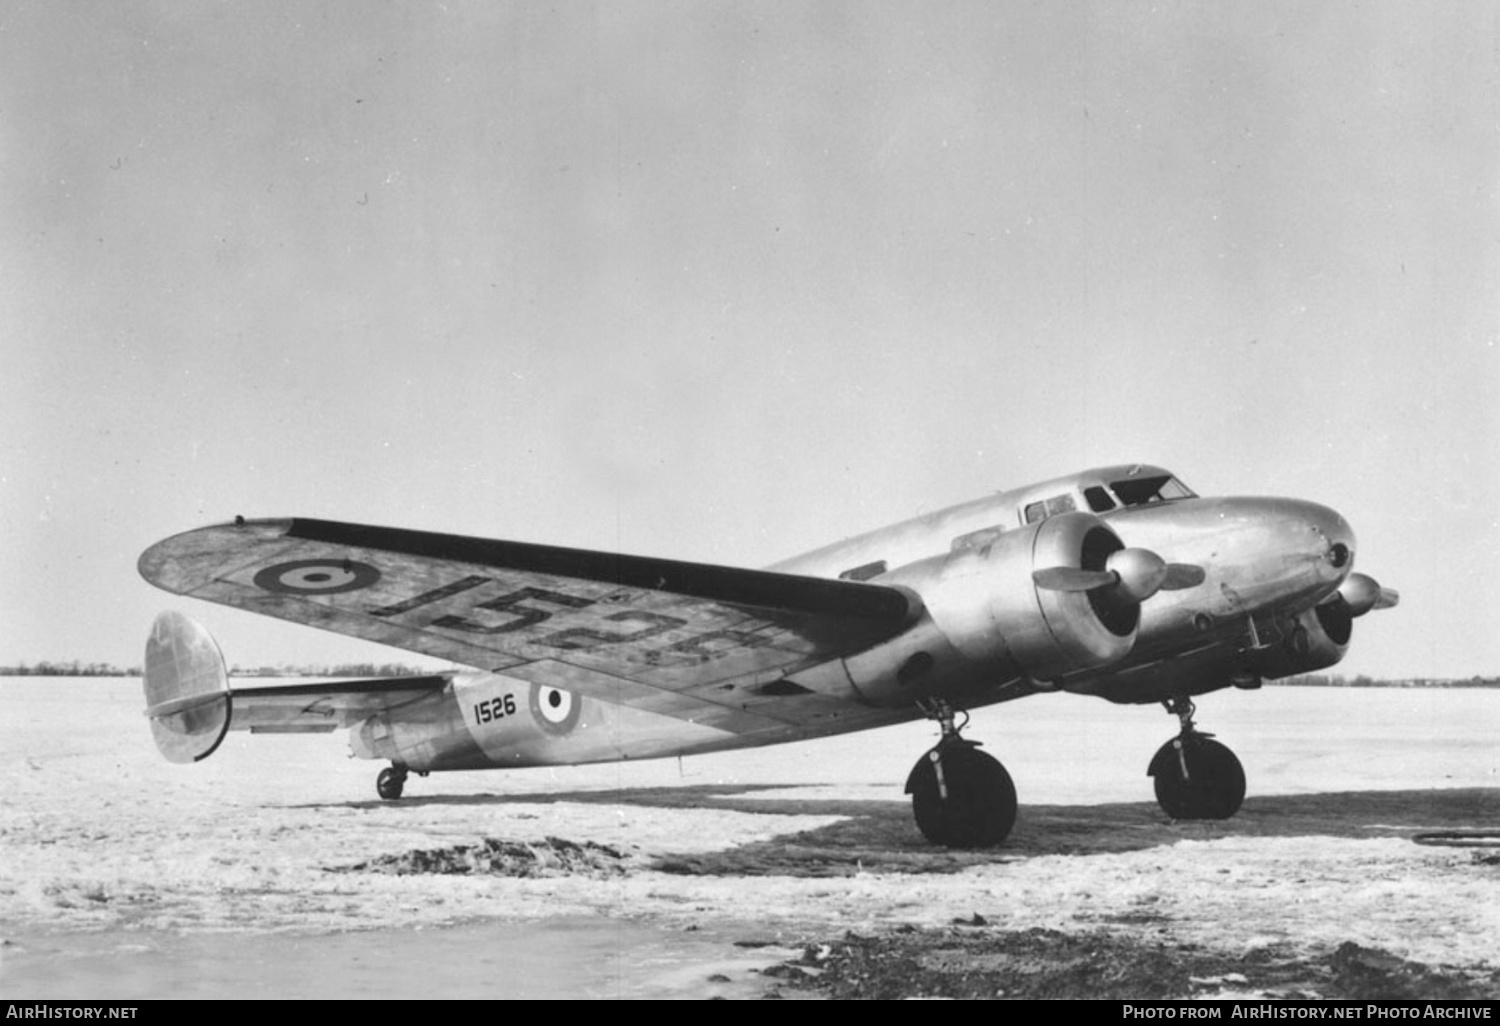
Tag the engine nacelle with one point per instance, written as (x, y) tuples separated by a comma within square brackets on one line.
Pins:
[(1049, 633), (1318, 640), (987, 620)]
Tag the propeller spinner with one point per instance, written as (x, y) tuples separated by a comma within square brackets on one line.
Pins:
[(1361, 593)]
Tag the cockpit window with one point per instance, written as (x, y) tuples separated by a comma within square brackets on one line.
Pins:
[(1140, 491), (1098, 498)]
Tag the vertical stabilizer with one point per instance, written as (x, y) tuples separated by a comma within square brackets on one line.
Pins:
[(187, 689)]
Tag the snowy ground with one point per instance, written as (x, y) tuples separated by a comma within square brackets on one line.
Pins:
[(122, 875)]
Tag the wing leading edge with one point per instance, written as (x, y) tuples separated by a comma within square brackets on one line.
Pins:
[(693, 641)]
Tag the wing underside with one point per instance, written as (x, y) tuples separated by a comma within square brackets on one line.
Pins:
[(712, 645)]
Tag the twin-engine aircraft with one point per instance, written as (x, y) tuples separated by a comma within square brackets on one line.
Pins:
[(1117, 582)]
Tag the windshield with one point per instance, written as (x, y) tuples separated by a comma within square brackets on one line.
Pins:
[(1139, 491)]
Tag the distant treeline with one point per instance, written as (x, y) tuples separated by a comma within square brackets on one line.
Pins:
[(72, 669), (1333, 680), (77, 669)]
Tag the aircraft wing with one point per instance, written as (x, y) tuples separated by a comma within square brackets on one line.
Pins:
[(703, 643)]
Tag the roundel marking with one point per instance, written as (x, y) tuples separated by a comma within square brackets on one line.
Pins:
[(555, 711), (316, 577)]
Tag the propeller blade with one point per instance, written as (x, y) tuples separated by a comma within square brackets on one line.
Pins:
[(1067, 578), (1389, 597), (1181, 576)]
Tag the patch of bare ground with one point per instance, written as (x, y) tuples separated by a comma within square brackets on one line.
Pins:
[(551, 856), (970, 962)]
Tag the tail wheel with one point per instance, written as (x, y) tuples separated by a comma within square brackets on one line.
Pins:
[(390, 782), (973, 805), (1198, 778)]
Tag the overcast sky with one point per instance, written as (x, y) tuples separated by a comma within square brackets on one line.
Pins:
[(727, 281)]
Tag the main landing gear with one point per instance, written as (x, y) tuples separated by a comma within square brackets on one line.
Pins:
[(961, 797), (390, 782), (1196, 777)]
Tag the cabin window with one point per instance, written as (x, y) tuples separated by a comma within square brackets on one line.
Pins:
[(1141, 491), (864, 573), (1098, 499), (1049, 508)]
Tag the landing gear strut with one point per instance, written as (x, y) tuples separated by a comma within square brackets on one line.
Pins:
[(390, 782), (961, 797), (1196, 777)]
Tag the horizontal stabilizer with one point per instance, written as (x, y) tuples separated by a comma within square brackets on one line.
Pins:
[(187, 689)]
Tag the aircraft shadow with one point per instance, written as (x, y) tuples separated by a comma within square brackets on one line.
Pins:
[(880, 835)]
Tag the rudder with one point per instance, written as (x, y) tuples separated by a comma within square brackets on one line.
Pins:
[(187, 689)]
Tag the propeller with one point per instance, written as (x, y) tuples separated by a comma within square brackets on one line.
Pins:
[(1361, 593), (1136, 574)]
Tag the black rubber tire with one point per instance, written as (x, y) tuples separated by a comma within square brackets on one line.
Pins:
[(390, 782), (981, 805), (1215, 786)]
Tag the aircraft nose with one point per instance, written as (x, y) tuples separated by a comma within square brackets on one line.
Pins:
[(1333, 538), (1311, 545)]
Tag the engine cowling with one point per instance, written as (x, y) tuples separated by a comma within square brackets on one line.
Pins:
[(1050, 632), (1318, 639)]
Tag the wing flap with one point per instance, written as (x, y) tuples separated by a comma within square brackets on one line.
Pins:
[(684, 639)]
